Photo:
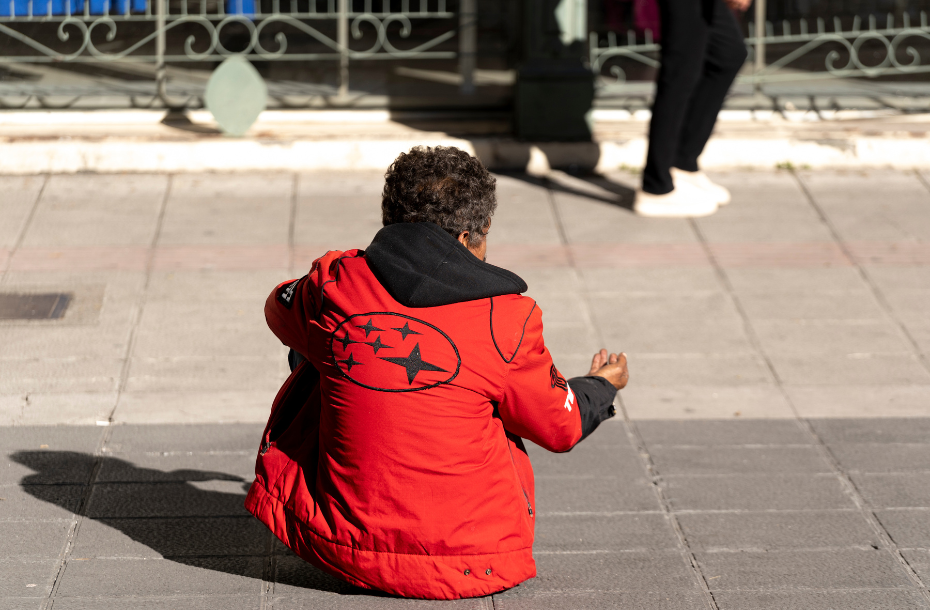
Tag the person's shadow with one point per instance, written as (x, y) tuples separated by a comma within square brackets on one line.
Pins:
[(168, 513)]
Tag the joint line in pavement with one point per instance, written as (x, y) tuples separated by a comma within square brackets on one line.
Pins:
[(23, 230)]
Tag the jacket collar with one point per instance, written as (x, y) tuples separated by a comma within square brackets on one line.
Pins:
[(421, 265)]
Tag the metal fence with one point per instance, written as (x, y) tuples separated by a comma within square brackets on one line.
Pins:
[(162, 32), (809, 50)]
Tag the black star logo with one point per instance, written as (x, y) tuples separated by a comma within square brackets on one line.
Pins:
[(346, 342), (414, 364), (350, 363), (376, 344), (368, 327), (406, 330)]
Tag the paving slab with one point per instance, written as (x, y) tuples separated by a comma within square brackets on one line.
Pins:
[(870, 402), (33, 539), (907, 528), (673, 403), (638, 600), (185, 576), (802, 569), (218, 602), (709, 433), (622, 532), (898, 490), (27, 577), (919, 560), (820, 600), (114, 500), (603, 572), (764, 491), (739, 460), (882, 457), (19, 197), (155, 538), (765, 531), (26, 502), (198, 438), (883, 430)]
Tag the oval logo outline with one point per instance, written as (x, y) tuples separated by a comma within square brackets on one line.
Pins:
[(458, 356)]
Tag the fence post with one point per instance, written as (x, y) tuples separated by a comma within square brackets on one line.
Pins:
[(760, 41), (160, 34), (342, 37), (468, 34)]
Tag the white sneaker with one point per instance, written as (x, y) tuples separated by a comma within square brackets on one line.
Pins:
[(685, 201), (701, 181)]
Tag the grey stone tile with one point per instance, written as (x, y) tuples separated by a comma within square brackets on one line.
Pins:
[(125, 500), (313, 600), (337, 222), (840, 569), (771, 491), (820, 600), (738, 460), (61, 375), (149, 468), (54, 438), (214, 286), (858, 305), (908, 528), (587, 220), (662, 370), (882, 457), (660, 280), (44, 466), (764, 531), (585, 494), (228, 208), (665, 571), (157, 538), (33, 539), (155, 577), (899, 277), (688, 322), (874, 430), (624, 532), (204, 374), (293, 575), (852, 369), (196, 438), (599, 460), (919, 560), (795, 281), (39, 502), (97, 210), (736, 229), (899, 490), (662, 600), (22, 603), (643, 402), (716, 432), (849, 401), (830, 337), (26, 578), (214, 602), (523, 215), (19, 195)]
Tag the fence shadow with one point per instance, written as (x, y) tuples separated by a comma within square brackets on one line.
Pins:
[(147, 505)]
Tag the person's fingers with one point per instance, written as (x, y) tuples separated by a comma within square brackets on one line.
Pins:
[(613, 359), (598, 360)]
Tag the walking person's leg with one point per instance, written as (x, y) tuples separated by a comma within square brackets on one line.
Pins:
[(725, 55), (685, 32)]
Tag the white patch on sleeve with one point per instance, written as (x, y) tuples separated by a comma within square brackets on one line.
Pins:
[(570, 399)]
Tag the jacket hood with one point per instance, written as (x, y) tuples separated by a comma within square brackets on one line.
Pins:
[(421, 265)]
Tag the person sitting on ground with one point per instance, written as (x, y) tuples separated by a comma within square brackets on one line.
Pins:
[(393, 458)]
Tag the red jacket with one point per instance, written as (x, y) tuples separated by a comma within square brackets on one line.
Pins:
[(393, 457)]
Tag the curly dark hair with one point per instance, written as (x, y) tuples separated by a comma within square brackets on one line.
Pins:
[(443, 185)]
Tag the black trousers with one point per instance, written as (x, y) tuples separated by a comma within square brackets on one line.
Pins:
[(702, 50)]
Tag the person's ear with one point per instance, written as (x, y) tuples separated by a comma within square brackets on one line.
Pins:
[(463, 238)]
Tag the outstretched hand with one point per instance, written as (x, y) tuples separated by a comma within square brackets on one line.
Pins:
[(611, 367)]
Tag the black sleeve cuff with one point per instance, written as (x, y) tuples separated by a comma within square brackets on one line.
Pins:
[(594, 397)]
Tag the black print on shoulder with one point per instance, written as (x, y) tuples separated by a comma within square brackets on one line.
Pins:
[(286, 293), (556, 380), (392, 352)]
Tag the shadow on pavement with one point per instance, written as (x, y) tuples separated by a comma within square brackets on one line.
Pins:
[(605, 191), (169, 514)]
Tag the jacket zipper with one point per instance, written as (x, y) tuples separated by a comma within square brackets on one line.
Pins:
[(529, 507)]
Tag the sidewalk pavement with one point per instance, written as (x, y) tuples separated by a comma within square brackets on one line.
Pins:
[(772, 449), (150, 141)]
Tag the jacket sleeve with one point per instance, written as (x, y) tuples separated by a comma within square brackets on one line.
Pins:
[(538, 404), (293, 304)]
